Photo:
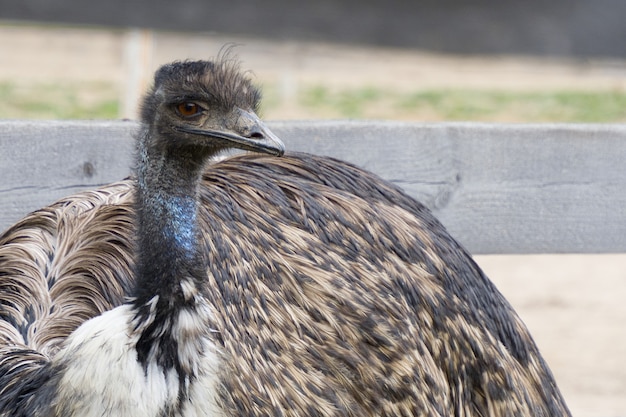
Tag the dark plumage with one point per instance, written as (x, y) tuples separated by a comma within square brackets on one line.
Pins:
[(324, 289)]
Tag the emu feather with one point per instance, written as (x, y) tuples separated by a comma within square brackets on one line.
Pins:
[(323, 290)]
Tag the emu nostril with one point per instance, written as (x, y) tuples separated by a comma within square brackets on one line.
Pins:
[(256, 134)]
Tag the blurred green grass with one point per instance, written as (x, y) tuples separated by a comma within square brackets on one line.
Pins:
[(91, 100), (88, 100), (469, 105)]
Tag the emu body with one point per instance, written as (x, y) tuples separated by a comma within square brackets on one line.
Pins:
[(293, 286), (317, 310)]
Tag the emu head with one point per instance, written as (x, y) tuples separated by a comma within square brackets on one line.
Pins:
[(204, 107)]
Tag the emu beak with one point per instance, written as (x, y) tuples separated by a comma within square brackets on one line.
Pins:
[(247, 132)]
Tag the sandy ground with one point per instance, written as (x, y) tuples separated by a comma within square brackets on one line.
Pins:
[(573, 304)]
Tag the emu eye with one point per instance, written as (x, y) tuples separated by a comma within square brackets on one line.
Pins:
[(188, 109)]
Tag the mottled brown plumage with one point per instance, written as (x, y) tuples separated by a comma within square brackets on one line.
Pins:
[(321, 310), (334, 294)]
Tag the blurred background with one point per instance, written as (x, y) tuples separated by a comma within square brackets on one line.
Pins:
[(481, 60), (447, 60)]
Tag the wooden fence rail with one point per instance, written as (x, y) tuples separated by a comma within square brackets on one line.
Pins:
[(497, 188)]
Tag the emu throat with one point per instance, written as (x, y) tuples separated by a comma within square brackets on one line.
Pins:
[(167, 234)]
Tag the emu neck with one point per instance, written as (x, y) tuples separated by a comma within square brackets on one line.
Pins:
[(167, 238)]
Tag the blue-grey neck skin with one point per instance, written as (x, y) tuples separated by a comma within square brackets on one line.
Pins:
[(166, 203)]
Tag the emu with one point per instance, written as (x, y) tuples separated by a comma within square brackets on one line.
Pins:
[(254, 286)]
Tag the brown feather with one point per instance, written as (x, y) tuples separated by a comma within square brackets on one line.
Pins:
[(336, 295)]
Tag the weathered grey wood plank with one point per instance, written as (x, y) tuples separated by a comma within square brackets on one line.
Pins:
[(502, 188), (41, 162), (498, 188)]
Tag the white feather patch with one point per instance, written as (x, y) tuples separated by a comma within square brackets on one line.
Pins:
[(102, 376)]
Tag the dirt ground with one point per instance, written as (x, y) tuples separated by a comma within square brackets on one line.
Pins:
[(573, 304)]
